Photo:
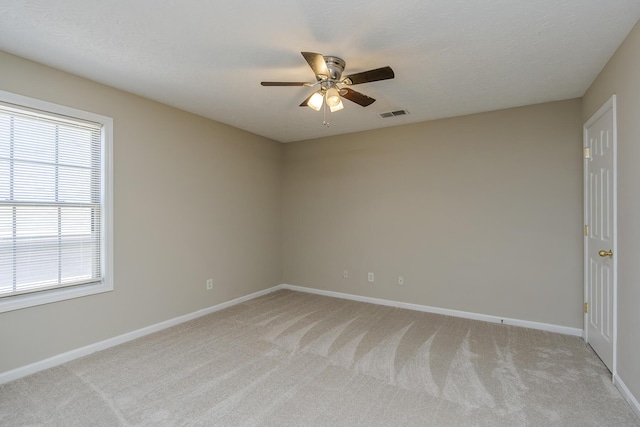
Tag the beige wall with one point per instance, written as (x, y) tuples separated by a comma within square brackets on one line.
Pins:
[(193, 199), (621, 76), (481, 213)]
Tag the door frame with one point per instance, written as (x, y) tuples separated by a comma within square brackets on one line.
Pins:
[(610, 104)]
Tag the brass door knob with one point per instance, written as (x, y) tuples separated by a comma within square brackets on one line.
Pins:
[(608, 253)]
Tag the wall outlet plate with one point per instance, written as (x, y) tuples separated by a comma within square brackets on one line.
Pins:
[(370, 277), (209, 284)]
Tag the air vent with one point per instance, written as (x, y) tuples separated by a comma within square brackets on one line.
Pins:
[(393, 113)]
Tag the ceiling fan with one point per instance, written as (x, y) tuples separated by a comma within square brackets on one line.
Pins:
[(328, 71)]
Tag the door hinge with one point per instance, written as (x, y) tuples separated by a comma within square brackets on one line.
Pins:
[(587, 153), (586, 230), (586, 307)]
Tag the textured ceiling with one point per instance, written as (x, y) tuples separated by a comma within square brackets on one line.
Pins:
[(450, 57)]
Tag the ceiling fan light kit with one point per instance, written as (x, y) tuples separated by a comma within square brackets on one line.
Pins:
[(328, 71)]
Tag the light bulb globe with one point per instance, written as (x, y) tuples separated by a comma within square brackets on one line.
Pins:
[(315, 102), (332, 97), (338, 107)]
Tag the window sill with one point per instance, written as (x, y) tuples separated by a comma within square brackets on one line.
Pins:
[(53, 295)]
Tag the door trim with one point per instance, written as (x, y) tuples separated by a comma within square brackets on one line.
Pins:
[(609, 105)]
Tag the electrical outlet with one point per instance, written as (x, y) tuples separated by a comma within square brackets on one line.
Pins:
[(400, 280), (345, 274), (370, 277), (209, 284)]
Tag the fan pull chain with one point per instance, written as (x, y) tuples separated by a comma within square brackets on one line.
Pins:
[(324, 111)]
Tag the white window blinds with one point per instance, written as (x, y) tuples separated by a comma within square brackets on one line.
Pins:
[(50, 201)]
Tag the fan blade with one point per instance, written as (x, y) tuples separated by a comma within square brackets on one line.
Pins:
[(357, 97), (283, 83), (383, 73), (317, 64)]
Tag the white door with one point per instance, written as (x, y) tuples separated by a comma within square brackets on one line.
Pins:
[(600, 232)]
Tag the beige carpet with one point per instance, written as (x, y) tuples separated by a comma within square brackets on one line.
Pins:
[(291, 358)]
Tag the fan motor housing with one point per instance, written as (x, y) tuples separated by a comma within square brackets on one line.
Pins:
[(336, 66)]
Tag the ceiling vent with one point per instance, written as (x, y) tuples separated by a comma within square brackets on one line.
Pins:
[(393, 113)]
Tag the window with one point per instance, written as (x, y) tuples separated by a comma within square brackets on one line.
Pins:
[(55, 202)]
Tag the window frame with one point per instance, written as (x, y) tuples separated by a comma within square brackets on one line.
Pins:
[(15, 302)]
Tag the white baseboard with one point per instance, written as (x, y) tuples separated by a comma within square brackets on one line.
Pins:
[(59, 359), (447, 312), (626, 393)]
